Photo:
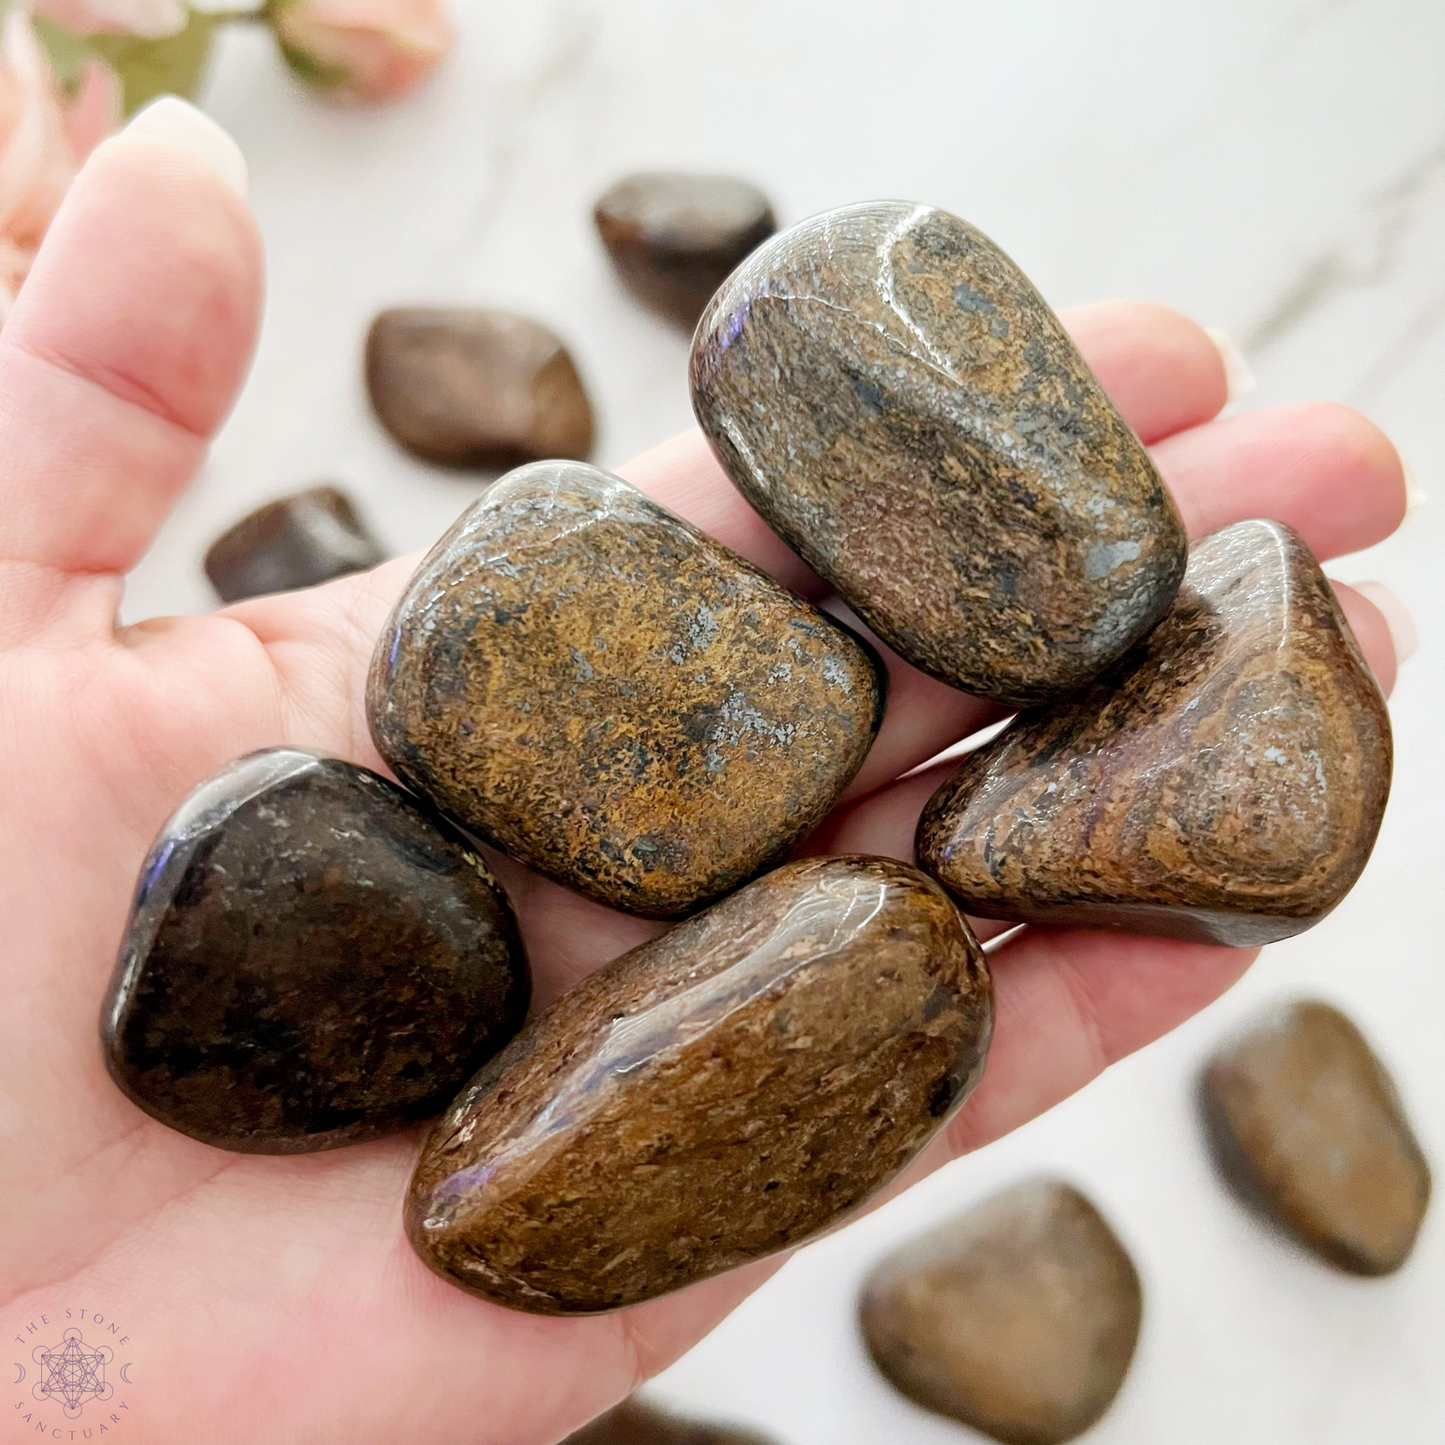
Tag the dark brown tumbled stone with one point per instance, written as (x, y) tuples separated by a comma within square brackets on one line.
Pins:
[(475, 388), (675, 237), (1019, 1318), (634, 1422), (298, 541), (312, 959), (886, 387), (717, 1095), (1224, 783), (602, 691), (1306, 1125)]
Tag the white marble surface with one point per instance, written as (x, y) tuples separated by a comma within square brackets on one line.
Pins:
[(1274, 167)]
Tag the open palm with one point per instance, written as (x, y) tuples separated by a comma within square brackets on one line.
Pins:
[(275, 1299)]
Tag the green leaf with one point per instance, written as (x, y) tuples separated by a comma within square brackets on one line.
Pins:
[(173, 65), (67, 52)]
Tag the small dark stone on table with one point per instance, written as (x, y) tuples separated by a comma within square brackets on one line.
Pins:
[(312, 959), (602, 691), (299, 541), (724, 1092), (476, 388), (1224, 783), (889, 391), (634, 1422), (1019, 1318), (1305, 1123), (674, 238)]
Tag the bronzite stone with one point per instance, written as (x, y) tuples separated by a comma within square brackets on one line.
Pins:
[(717, 1095), (634, 1422), (298, 541), (590, 683), (312, 959), (1019, 1318), (674, 237), (475, 388), (886, 387), (1307, 1126), (1223, 783)]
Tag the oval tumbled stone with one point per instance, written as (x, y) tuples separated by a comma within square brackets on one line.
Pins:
[(312, 959), (715, 1096), (887, 388), (602, 691), (1224, 783)]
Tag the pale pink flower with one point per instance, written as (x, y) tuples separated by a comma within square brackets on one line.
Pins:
[(151, 19), (364, 49), (41, 144)]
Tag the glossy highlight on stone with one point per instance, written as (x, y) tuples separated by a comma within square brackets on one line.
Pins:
[(1019, 1318), (1307, 1127), (890, 392), (469, 387), (634, 1422), (312, 959), (1224, 783), (722, 1093), (674, 237), (602, 691), (298, 541)]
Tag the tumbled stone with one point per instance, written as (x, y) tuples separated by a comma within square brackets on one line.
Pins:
[(674, 238), (635, 1422), (312, 959), (602, 691), (298, 541), (1019, 1318), (717, 1095), (1224, 783), (475, 388), (886, 387), (1306, 1125)]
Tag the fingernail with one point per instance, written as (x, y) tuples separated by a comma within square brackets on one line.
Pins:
[(1401, 624), (1237, 374), (179, 122), (1415, 495)]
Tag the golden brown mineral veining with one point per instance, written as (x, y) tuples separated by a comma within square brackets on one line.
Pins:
[(715, 1096), (1224, 783), (885, 386), (589, 682), (1019, 1318), (1307, 1126)]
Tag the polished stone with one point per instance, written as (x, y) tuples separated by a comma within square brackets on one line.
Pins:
[(476, 388), (298, 541), (312, 959), (1306, 1125), (590, 683), (724, 1092), (1019, 1318), (634, 1422), (674, 238), (886, 387), (1224, 783)]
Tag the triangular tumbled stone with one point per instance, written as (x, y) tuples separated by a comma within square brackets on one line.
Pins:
[(1224, 783)]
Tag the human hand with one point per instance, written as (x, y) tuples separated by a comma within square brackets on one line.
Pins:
[(275, 1298)]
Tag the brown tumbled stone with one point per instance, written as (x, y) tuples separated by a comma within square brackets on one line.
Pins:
[(1019, 1318), (886, 387), (298, 541), (634, 1422), (717, 1095), (675, 237), (1306, 1125), (475, 388), (312, 959), (1224, 783), (619, 701)]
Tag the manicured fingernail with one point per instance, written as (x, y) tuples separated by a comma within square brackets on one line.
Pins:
[(179, 122), (1415, 495), (1237, 375), (1399, 621)]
